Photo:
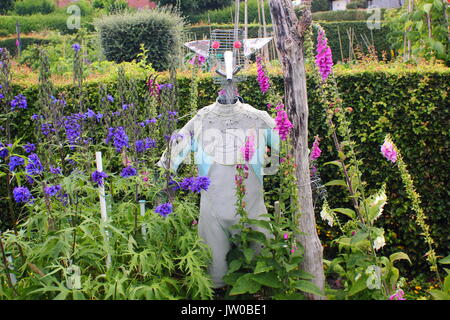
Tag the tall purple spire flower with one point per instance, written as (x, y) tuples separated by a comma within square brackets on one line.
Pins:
[(15, 162), (283, 124), (128, 171), (315, 152), (388, 151), (324, 60), (262, 78), (98, 177), (248, 149), (118, 137), (34, 166)]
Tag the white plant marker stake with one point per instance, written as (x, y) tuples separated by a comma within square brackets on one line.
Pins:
[(11, 267), (101, 191), (143, 227)]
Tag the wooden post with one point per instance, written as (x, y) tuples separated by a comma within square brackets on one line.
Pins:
[(288, 33)]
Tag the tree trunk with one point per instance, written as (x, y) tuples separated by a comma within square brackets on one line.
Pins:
[(288, 32)]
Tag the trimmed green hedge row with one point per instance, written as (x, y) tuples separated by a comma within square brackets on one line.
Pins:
[(334, 30), (10, 43), (345, 15), (412, 106), (39, 22)]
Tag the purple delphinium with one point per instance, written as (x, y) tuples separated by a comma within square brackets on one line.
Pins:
[(324, 60), (56, 170), (14, 162), (76, 47), (19, 102), (187, 183), (29, 147), (3, 150), (128, 171), (22, 194), (262, 78), (164, 209), (36, 117), (73, 127), (200, 183), (34, 166), (52, 191), (118, 137), (47, 128), (98, 177)]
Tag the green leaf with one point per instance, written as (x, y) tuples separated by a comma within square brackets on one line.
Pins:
[(248, 254), (358, 286), (348, 212), (245, 284), (445, 260), (268, 279), (399, 256), (336, 163), (427, 7), (261, 267), (309, 287), (234, 266), (440, 295), (336, 183)]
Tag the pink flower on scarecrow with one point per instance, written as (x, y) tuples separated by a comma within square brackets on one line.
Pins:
[(315, 152), (388, 151), (249, 148), (215, 45)]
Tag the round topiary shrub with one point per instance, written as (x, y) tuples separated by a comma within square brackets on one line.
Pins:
[(159, 30)]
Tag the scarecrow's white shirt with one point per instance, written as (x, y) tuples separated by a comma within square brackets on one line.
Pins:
[(216, 135)]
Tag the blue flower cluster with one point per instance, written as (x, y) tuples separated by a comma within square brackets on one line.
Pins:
[(56, 170), (15, 162), (118, 137), (54, 190), (76, 47), (164, 209), (98, 177), (73, 127), (34, 166), (91, 114), (3, 150), (128, 171), (19, 102), (143, 145), (29, 147), (195, 184), (22, 194)]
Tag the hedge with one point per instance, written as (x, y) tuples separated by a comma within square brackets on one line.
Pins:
[(10, 43), (412, 105), (333, 30), (346, 15), (39, 22), (159, 30)]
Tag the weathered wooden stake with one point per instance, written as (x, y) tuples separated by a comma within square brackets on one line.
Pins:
[(288, 33)]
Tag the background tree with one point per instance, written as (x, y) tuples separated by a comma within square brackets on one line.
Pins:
[(189, 7)]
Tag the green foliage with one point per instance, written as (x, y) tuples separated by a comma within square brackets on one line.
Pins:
[(362, 37), (357, 4), (29, 7), (226, 14), (345, 15), (6, 5), (160, 31), (320, 5), (191, 8), (426, 26), (85, 6), (10, 43)]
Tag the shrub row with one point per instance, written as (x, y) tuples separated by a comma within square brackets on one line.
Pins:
[(334, 30), (412, 106), (10, 43), (39, 22), (346, 15)]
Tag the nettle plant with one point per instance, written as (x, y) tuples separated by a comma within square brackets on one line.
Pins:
[(362, 272), (59, 246)]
